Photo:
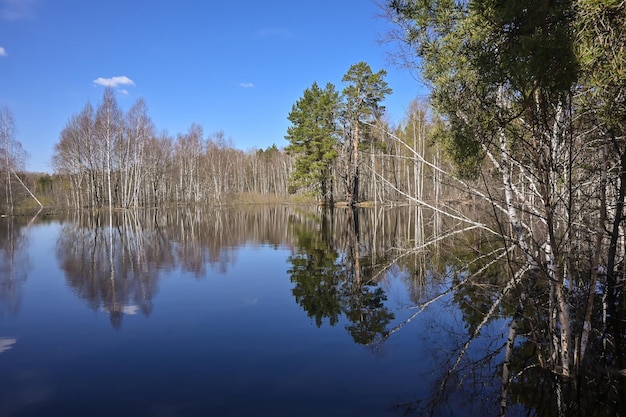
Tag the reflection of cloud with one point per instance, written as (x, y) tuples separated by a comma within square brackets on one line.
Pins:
[(6, 343), (113, 81), (250, 301), (130, 310)]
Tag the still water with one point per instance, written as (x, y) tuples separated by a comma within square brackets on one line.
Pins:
[(267, 311)]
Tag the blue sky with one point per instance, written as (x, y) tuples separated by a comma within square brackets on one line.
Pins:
[(234, 66)]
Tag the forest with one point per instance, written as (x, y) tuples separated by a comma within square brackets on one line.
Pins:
[(526, 119), (106, 157)]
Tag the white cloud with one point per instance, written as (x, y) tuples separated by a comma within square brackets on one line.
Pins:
[(123, 91), (3, 52), (16, 9), (246, 85), (113, 81)]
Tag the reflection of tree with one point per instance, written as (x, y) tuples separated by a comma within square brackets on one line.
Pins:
[(121, 277), (210, 236), (367, 314), (116, 268), (314, 272), (339, 269), (363, 299), (14, 263), (328, 284), (509, 371)]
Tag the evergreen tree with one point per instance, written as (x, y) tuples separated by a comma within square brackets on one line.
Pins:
[(362, 97), (313, 140)]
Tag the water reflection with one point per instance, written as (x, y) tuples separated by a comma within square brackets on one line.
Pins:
[(113, 268), (345, 259), (116, 268), (14, 262), (496, 359), (332, 278), (491, 354), (6, 343), (338, 264), (346, 269)]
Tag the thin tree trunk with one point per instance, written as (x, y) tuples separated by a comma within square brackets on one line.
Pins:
[(29, 192), (355, 166)]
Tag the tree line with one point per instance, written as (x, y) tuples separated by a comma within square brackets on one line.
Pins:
[(107, 157)]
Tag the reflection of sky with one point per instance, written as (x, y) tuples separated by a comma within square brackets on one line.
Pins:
[(6, 343), (236, 343), (41, 250)]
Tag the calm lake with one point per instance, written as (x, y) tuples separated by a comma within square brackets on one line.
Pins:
[(259, 311)]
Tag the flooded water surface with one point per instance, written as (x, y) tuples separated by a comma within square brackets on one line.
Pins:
[(267, 311)]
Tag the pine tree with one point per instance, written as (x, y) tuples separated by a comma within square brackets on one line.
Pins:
[(313, 141), (362, 97)]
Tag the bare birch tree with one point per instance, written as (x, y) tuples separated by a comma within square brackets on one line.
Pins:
[(12, 156)]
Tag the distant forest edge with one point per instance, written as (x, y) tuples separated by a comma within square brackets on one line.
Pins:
[(341, 150)]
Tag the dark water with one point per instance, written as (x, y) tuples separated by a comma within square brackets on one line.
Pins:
[(198, 316), (268, 311)]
